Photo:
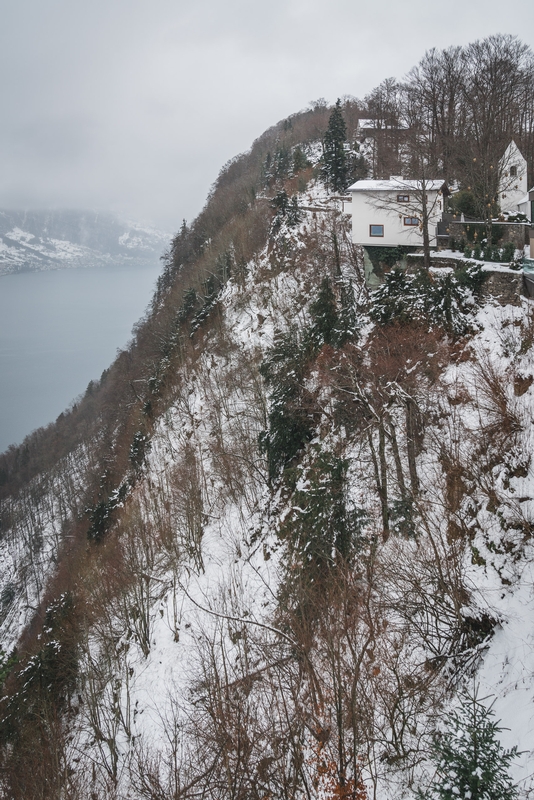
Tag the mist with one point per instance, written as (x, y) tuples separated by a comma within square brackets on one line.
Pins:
[(133, 107)]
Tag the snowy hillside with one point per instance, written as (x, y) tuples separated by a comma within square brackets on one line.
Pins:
[(38, 240), (292, 523)]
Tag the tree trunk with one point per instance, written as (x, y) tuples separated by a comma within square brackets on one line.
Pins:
[(426, 236), (380, 471), (397, 459), (411, 434)]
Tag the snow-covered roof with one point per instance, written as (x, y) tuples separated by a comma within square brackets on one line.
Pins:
[(395, 184), (373, 124)]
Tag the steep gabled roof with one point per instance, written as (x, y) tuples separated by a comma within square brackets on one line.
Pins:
[(512, 151)]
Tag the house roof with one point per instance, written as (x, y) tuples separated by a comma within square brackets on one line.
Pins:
[(511, 151), (395, 184), (373, 124)]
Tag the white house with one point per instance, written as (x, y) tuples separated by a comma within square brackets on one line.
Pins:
[(526, 206), (388, 212), (512, 180)]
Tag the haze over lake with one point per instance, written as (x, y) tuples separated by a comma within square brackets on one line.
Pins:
[(58, 330)]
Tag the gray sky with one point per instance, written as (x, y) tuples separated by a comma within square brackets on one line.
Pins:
[(134, 105)]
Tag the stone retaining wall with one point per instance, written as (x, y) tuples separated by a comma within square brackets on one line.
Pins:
[(415, 261), (504, 285), (516, 232)]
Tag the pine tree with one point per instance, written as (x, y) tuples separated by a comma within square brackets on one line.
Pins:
[(335, 167), (348, 323), (324, 315), (470, 762), (357, 168), (322, 525), (280, 202), (291, 422), (293, 214), (300, 161)]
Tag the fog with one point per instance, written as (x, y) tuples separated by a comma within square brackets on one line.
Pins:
[(133, 106)]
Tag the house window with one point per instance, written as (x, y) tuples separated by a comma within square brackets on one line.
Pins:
[(411, 221), (376, 230), (513, 172), (403, 198)]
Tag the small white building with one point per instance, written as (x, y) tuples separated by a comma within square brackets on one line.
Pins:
[(526, 205), (388, 212), (512, 180)]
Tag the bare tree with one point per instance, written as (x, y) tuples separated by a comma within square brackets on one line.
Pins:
[(466, 105)]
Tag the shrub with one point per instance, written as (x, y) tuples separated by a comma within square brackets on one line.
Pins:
[(446, 301), (508, 252), (487, 253), (470, 761)]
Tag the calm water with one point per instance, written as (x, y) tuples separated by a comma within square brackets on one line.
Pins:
[(58, 331)]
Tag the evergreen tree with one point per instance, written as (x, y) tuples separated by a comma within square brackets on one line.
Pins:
[(291, 420), (324, 315), (322, 525), (294, 214), (335, 168), (447, 301), (470, 762), (348, 323), (280, 202), (188, 305), (357, 168), (287, 209), (330, 326), (300, 161), (394, 299)]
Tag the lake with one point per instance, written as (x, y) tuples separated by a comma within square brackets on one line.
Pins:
[(58, 330)]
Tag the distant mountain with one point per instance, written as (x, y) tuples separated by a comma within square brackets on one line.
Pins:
[(57, 239)]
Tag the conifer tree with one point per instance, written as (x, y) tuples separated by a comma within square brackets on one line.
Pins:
[(280, 202), (324, 315), (348, 323), (471, 763), (290, 419), (300, 161), (335, 167), (293, 214)]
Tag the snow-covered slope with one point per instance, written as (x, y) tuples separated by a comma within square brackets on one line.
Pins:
[(265, 619)]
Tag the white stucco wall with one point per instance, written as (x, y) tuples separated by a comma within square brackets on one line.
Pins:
[(525, 207), (512, 189), (367, 199)]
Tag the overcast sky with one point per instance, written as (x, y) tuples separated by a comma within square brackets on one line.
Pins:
[(134, 105)]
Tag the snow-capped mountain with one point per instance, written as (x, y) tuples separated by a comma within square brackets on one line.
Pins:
[(57, 239)]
